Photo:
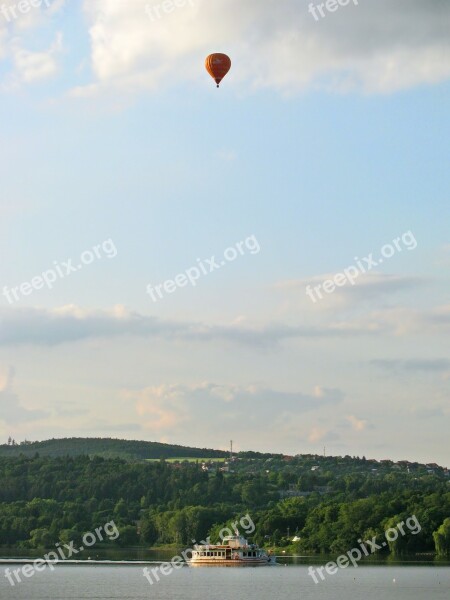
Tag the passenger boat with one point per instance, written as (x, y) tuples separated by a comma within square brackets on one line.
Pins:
[(235, 551)]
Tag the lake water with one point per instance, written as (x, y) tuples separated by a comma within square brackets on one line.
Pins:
[(264, 583)]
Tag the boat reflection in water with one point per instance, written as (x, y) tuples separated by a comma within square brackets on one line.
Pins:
[(235, 551)]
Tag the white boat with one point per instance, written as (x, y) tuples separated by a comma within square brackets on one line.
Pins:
[(235, 551)]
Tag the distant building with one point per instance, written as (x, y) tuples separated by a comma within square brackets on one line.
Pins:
[(293, 494)]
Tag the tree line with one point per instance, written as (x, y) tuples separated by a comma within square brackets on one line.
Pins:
[(45, 500)]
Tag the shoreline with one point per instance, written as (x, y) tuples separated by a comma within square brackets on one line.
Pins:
[(286, 559)]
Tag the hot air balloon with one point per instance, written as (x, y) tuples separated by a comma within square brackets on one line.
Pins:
[(218, 66)]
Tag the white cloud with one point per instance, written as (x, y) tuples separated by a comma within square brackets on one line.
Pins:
[(17, 32), (11, 410), (170, 409), (71, 324), (368, 288), (376, 47), (68, 324), (31, 67), (357, 424), (379, 47), (28, 17)]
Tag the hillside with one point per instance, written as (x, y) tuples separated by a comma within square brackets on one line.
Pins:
[(108, 448), (327, 503)]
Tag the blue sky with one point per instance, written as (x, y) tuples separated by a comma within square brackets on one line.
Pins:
[(326, 141)]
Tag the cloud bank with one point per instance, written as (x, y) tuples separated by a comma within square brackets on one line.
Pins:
[(71, 324), (68, 324), (375, 47), (169, 409)]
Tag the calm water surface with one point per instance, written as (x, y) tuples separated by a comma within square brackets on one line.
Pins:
[(279, 582)]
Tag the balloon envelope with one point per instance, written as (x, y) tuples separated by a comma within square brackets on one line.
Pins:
[(218, 65)]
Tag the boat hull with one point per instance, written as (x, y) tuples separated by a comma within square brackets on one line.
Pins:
[(230, 563)]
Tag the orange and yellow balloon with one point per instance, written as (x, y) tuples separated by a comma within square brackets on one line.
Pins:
[(218, 65)]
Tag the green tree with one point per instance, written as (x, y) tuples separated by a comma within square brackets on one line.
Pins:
[(40, 538), (442, 539), (149, 534), (128, 536)]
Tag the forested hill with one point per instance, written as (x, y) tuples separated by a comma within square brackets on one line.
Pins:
[(56, 491), (108, 448), (307, 504)]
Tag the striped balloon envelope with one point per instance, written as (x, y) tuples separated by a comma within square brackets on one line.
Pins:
[(218, 66)]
